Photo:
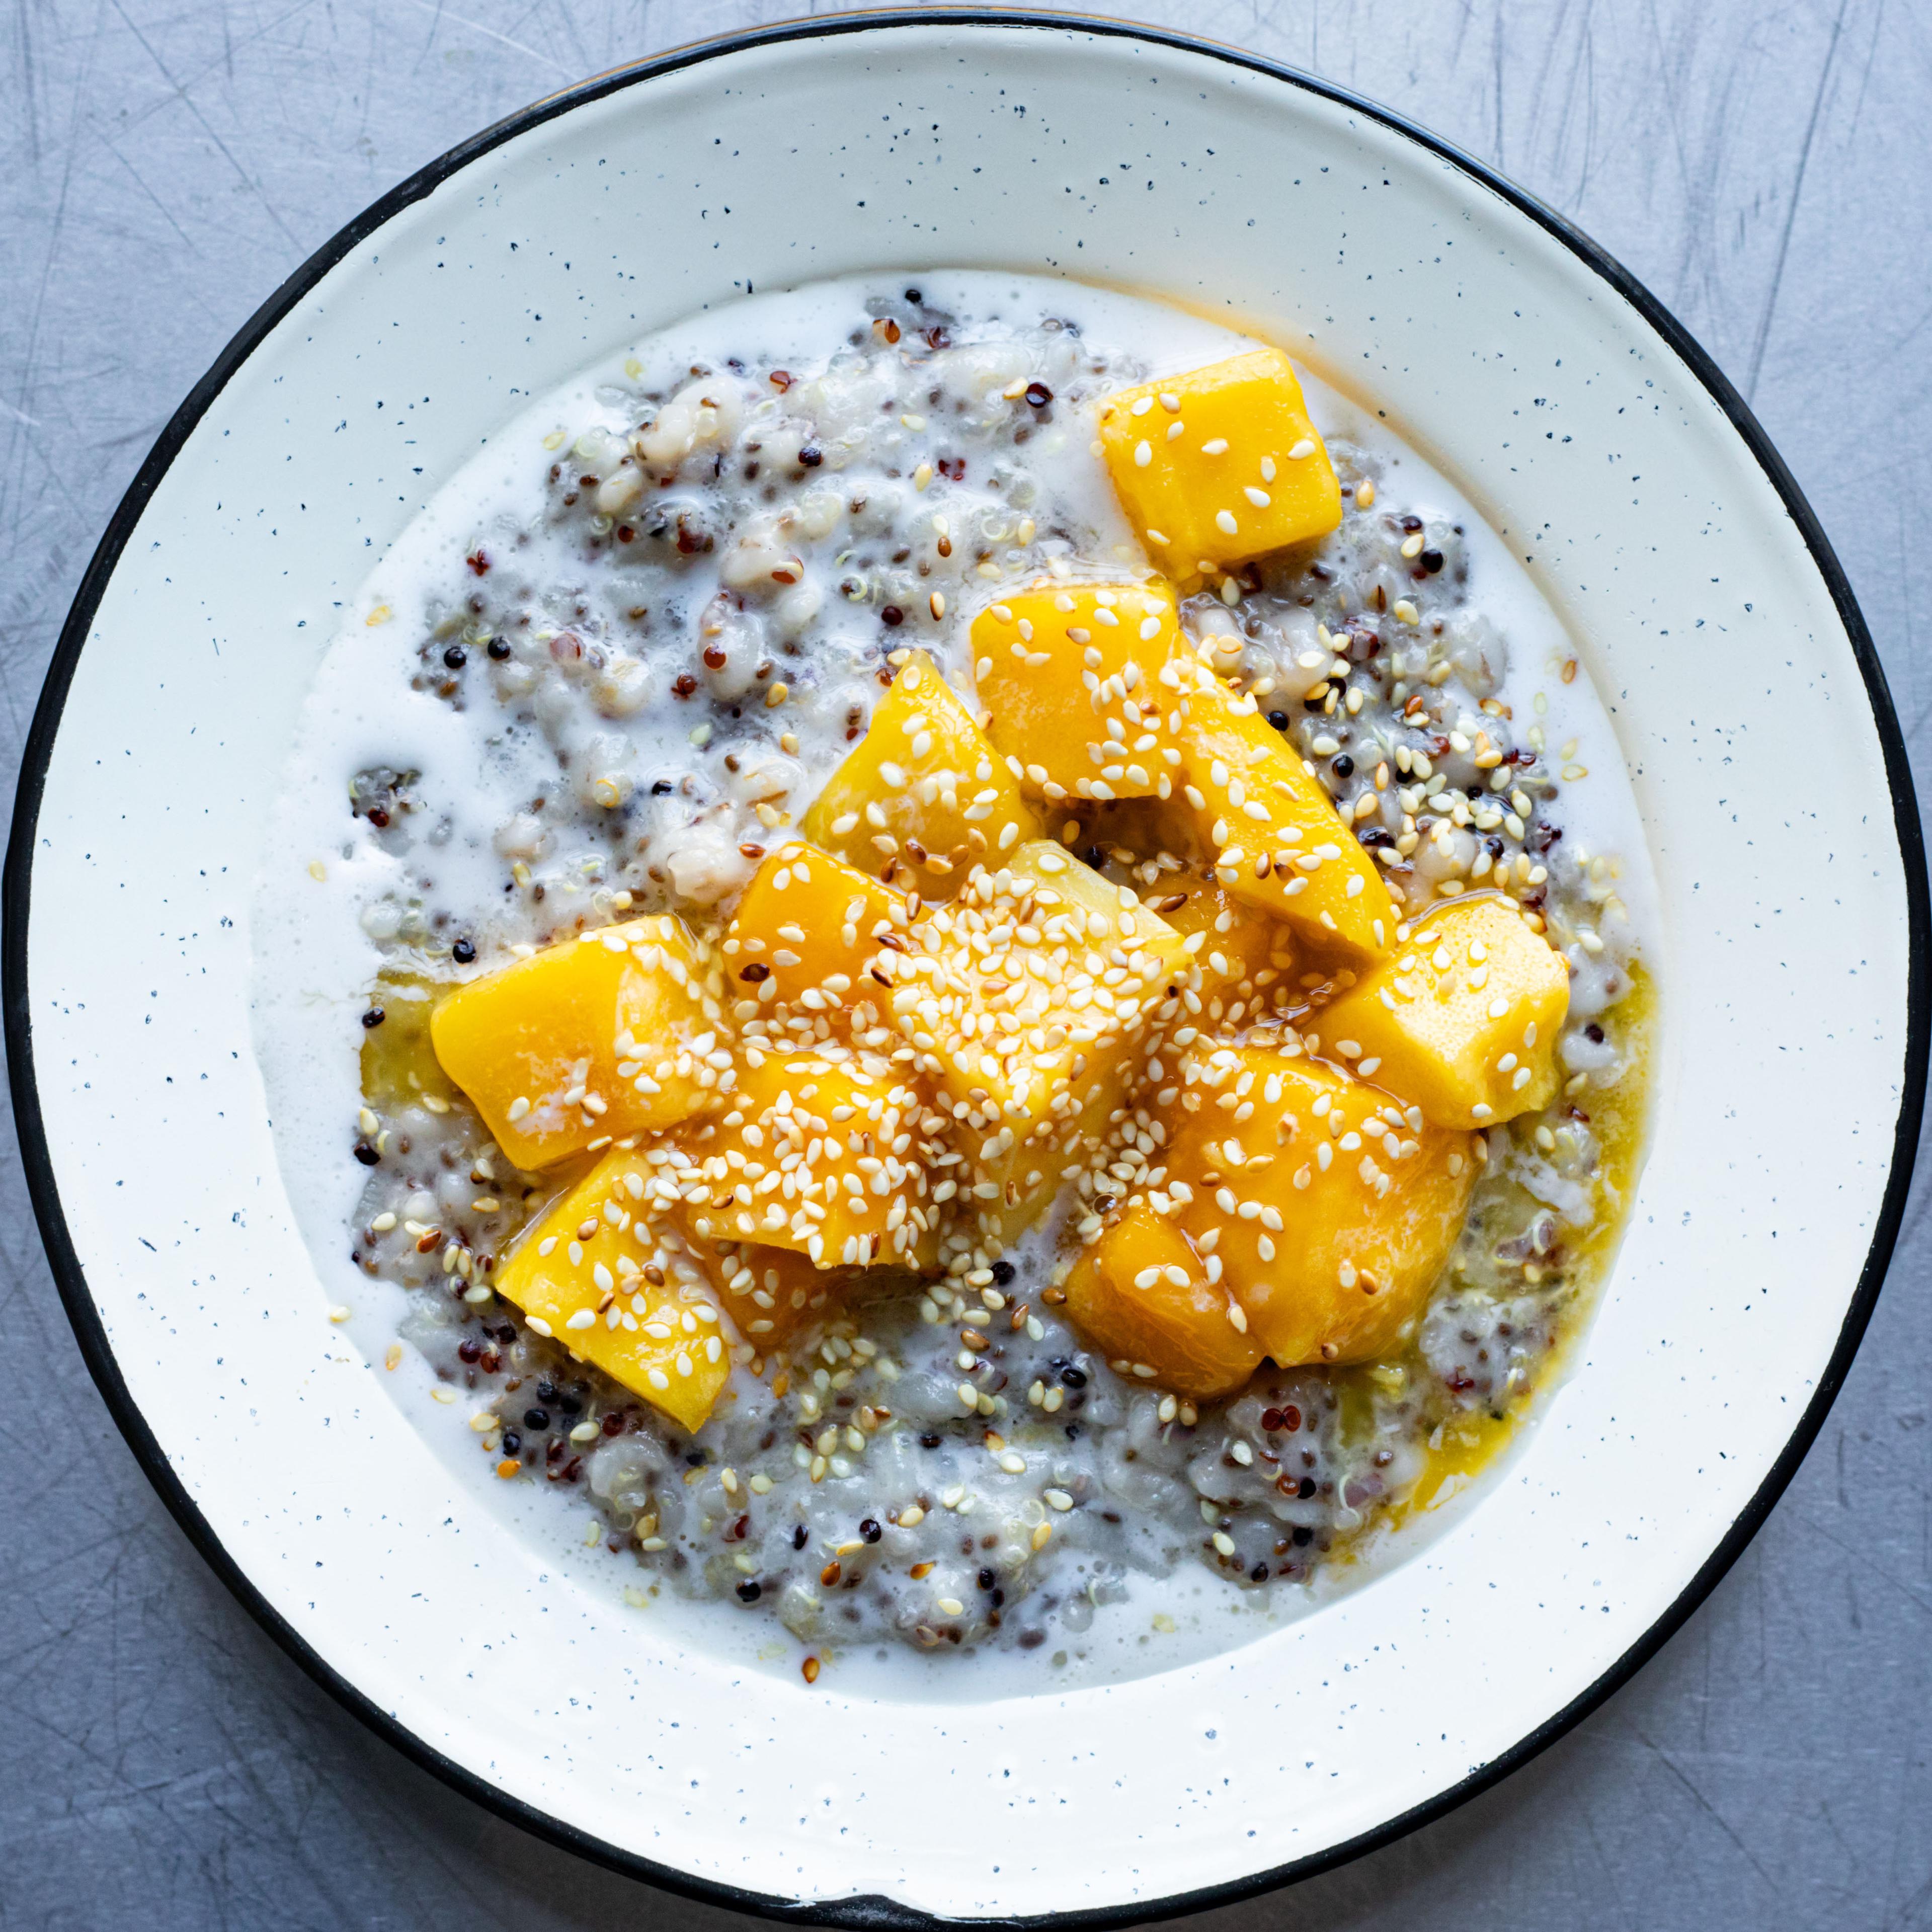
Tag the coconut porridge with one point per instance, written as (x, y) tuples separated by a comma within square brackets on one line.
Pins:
[(966, 958)]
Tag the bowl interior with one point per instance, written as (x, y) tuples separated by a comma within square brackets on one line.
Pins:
[(1786, 956)]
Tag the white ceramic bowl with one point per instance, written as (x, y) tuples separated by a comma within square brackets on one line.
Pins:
[(1767, 764)]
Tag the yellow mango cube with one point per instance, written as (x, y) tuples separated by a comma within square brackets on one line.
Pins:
[(770, 1293), (1026, 1000), (1025, 994), (592, 1038), (806, 929), (1330, 1206), (923, 797), (1462, 1018), (1220, 465), (1067, 674), (1010, 1182), (594, 1274), (1141, 1296), (820, 1151), (1272, 833)]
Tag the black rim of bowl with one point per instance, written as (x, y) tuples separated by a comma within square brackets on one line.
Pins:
[(871, 1910)]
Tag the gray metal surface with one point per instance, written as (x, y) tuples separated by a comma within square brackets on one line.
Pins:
[(1762, 164)]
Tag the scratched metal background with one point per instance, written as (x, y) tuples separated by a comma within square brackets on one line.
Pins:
[(1764, 165)]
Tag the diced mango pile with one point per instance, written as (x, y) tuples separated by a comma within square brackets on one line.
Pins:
[(930, 1021)]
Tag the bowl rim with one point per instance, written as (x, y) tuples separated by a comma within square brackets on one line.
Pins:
[(873, 1911)]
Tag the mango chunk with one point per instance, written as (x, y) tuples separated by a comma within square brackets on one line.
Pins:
[(1239, 946), (1462, 1019), (771, 1294), (1027, 995), (604, 1035), (1141, 1297), (1331, 1207), (1220, 465), (1275, 838), (1009, 1184), (1034, 1049), (1066, 672), (923, 796), (806, 929), (583, 1274), (821, 1151)]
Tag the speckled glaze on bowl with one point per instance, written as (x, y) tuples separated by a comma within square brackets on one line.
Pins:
[(1657, 517)]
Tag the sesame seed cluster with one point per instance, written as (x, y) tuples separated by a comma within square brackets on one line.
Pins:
[(929, 1102)]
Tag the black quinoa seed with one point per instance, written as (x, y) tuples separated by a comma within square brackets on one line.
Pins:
[(1038, 395), (869, 1531), (1307, 1487), (456, 657), (798, 1537), (513, 1443), (1344, 767), (462, 953), (1279, 719), (374, 1017), (1073, 1378), (1594, 1033), (659, 787), (750, 1590), (929, 1441), (1431, 560), (499, 648), (536, 1420), (892, 617), (1003, 1273), (1303, 1537), (366, 1154), (810, 458)]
